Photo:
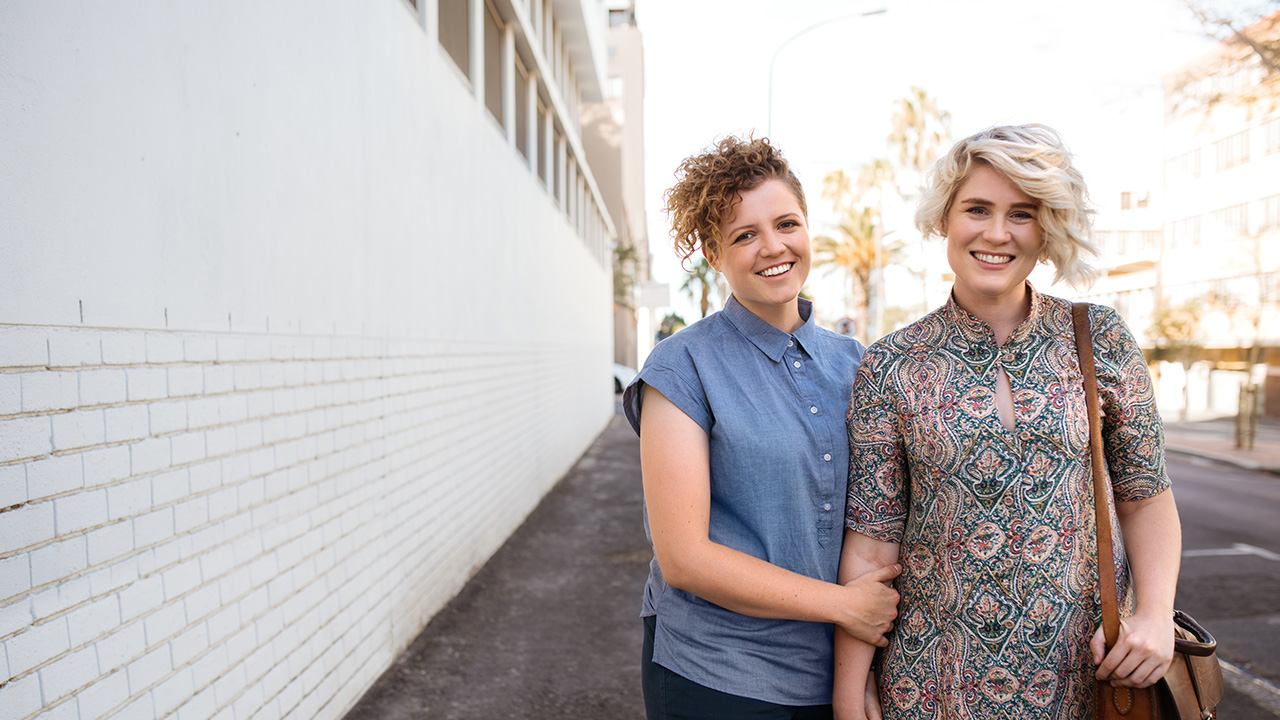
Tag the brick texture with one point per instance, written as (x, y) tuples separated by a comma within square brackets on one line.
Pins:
[(241, 525)]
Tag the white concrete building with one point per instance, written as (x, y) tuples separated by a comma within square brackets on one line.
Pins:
[(1208, 239), (613, 135), (303, 308)]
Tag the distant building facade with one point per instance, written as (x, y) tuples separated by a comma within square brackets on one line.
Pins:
[(1208, 242), (303, 308), (614, 138)]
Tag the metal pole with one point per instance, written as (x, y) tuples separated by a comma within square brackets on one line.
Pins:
[(815, 26)]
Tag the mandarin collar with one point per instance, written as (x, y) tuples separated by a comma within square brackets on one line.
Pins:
[(974, 329), (770, 340)]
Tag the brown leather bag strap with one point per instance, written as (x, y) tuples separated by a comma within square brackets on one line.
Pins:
[(1101, 510)]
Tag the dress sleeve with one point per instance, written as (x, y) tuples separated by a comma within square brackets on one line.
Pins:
[(1132, 431), (876, 502)]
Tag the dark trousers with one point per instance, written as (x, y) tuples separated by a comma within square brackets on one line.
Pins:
[(668, 696)]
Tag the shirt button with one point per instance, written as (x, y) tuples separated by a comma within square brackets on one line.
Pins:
[(791, 343), (1007, 624), (1007, 357), (827, 457), (1025, 435), (813, 411), (796, 364), (826, 507)]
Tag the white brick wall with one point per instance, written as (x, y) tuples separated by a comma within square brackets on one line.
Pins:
[(278, 371), (266, 548)]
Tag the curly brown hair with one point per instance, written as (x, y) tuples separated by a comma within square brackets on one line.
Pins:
[(708, 185)]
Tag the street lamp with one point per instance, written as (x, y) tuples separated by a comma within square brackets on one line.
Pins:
[(815, 26)]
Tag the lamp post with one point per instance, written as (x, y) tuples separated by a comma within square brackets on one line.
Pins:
[(815, 26)]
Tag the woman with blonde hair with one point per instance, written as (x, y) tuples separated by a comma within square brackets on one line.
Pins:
[(970, 462), (744, 460)]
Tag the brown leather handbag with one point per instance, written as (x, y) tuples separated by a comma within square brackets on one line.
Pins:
[(1192, 687)]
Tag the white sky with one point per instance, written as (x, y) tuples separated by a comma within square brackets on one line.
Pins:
[(1092, 69)]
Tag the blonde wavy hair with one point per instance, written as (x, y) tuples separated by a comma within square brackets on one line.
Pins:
[(708, 185), (1036, 160)]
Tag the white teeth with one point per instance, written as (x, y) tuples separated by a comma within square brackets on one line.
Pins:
[(993, 259), (776, 270)]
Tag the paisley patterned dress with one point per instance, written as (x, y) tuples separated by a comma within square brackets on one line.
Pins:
[(995, 527)]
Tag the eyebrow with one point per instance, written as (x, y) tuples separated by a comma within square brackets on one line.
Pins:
[(984, 201)]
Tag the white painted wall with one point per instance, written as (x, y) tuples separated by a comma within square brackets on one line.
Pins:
[(290, 341)]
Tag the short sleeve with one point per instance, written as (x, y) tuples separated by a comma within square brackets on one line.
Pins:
[(876, 501), (685, 393), (1132, 431)]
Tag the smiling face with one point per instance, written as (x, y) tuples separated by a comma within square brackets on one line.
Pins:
[(765, 254), (994, 240)]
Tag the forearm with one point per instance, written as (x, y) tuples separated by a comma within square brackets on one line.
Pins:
[(1153, 542), (852, 656), (748, 585), (852, 673)]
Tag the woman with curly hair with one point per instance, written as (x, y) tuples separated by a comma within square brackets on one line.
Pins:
[(970, 453), (744, 459)]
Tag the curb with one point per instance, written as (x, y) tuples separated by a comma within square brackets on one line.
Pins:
[(1226, 459)]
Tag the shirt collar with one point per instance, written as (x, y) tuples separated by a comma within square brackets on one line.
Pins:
[(974, 329), (770, 340)]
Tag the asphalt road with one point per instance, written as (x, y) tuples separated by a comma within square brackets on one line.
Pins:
[(1230, 579)]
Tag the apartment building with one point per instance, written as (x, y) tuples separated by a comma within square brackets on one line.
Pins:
[(303, 308), (1209, 240)]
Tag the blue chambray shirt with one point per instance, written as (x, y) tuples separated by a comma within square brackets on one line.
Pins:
[(773, 406)]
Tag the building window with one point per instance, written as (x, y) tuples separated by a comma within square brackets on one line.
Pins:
[(522, 109), (557, 164), (1269, 287), (1270, 212), (1185, 166), (1272, 132), (1186, 232), (571, 190), (1231, 222), (1232, 150), (618, 18), (1126, 200), (548, 155), (454, 19), (493, 62)]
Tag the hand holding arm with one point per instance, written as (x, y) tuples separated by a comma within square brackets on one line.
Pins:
[(676, 469)]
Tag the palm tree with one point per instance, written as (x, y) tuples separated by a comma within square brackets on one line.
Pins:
[(852, 251), (702, 280), (920, 130), (859, 248)]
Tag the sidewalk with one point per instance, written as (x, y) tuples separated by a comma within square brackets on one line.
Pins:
[(550, 626), (1214, 439)]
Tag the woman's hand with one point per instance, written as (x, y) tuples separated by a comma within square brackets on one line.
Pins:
[(1142, 654), (870, 605)]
